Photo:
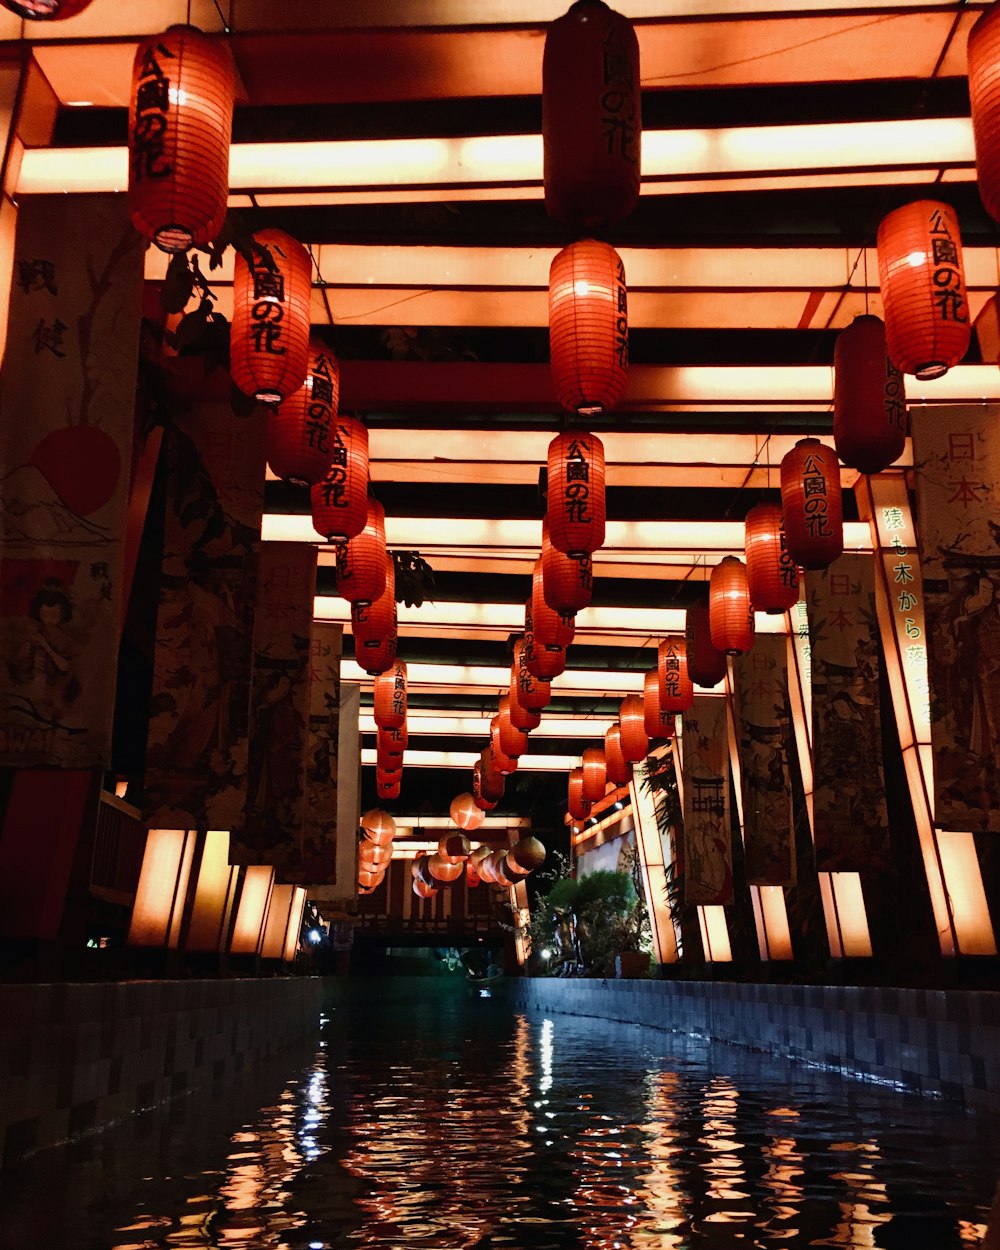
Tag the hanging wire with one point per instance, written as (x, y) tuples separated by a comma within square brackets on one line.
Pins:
[(226, 26)]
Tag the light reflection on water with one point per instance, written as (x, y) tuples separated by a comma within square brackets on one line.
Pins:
[(457, 1125)]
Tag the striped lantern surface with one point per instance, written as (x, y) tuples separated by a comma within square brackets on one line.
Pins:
[(392, 743), (339, 502), (369, 880), (299, 429), (377, 825), (619, 772), (658, 723), (553, 631), (869, 399), (372, 623), (454, 847), (922, 279), (444, 870), (984, 101), (464, 812), (595, 773), (500, 761), (730, 613), (373, 857), (588, 327), (706, 663), (390, 697), (632, 722), (388, 785), (422, 890), (269, 334), (526, 689), (481, 800), (180, 127), (811, 504), (567, 581), (363, 562), (541, 663), (591, 116), (378, 657), (579, 807), (576, 506), (772, 578), (675, 687), (521, 717), (387, 763), (513, 741)]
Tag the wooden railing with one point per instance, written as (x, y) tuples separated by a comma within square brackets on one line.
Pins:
[(119, 843)]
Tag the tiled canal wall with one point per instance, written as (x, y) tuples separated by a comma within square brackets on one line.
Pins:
[(942, 1043), (76, 1057)]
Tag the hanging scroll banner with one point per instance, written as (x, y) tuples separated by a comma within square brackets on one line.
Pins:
[(957, 463), (708, 846), (196, 754), (273, 824), (851, 824), (763, 729), (67, 399), (319, 842)]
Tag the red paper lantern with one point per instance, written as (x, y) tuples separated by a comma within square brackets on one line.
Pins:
[(388, 784), (591, 116), (772, 578), (464, 812), (269, 335), (442, 869), (618, 768), (553, 631), (984, 99), (675, 687), (481, 800), (369, 880), (52, 11), (390, 697), (730, 613), (299, 437), (706, 663), (922, 279), (491, 781), (869, 399), (657, 722), (392, 743), (500, 761), (579, 807), (526, 855), (521, 717), (386, 763), (377, 825), (811, 505), (371, 623), (339, 502), (472, 877), (373, 857), (588, 327), (567, 581), (541, 663), (377, 658), (362, 562), (632, 720), (513, 741), (576, 504), (180, 126), (595, 774), (525, 688)]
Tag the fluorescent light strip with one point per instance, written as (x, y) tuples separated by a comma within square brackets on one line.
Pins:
[(462, 678), (460, 534), (456, 725), (466, 759), (406, 826), (499, 160)]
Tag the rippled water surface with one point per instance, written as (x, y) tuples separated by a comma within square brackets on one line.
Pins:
[(450, 1122)]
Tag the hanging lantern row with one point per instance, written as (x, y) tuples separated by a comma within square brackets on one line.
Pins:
[(454, 858), (378, 829)]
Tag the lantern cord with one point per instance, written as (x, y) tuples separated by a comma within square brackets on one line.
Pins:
[(227, 28)]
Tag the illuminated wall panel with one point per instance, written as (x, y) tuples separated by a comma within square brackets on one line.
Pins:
[(163, 880), (257, 882), (649, 848), (214, 894)]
